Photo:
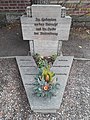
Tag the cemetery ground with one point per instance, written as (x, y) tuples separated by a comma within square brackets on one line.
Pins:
[(13, 100)]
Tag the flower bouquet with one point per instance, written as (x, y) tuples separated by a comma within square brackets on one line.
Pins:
[(45, 84)]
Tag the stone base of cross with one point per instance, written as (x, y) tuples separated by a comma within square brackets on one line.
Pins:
[(58, 52)]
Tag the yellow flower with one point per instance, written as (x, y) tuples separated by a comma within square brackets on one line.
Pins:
[(47, 74)]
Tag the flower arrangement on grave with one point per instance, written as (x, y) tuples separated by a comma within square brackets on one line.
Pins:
[(45, 84)]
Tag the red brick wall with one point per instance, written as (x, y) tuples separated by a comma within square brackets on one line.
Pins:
[(18, 6), (78, 9), (13, 5)]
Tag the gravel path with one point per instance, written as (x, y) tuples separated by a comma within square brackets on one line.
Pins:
[(14, 104), (78, 44)]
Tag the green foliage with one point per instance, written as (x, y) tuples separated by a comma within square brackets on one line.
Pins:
[(46, 71), (38, 88), (42, 61), (45, 84), (53, 57)]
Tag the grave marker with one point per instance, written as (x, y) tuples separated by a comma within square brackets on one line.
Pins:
[(28, 74), (46, 27), (45, 30)]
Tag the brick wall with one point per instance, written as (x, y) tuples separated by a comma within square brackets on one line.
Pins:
[(18, 6), (13, 5), (75, 7)]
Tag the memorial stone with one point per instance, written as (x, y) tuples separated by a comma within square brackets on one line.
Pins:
[(45, 30), (46, 27), (28, 70)]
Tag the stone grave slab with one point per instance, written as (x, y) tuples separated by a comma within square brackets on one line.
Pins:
[(28, 70)]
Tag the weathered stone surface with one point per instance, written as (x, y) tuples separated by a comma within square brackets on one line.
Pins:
[(45, 30), (61, 67), (46, 10), (27, 67), (45, 48)]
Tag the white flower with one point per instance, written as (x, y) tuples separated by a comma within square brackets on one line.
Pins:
[(42, 57)]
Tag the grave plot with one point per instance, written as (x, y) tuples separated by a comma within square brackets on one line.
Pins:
[(45, 30)]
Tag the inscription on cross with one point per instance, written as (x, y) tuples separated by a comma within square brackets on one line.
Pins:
[(45, 26)]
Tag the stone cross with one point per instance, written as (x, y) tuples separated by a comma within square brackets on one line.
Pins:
[(46, 29), (45, 26)]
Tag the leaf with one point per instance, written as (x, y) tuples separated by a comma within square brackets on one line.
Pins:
[(39, 95), (57, 85)]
